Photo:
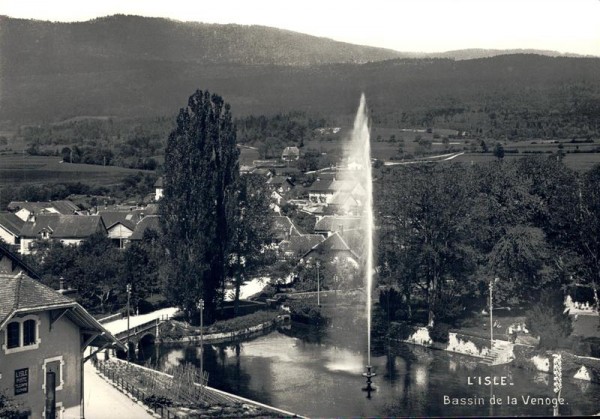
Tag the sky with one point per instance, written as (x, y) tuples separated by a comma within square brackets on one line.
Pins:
[(404, 25)]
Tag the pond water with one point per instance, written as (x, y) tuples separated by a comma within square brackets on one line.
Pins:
[(303, 371)]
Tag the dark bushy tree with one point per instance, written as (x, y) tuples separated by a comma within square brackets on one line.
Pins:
[(198, 207), (9, 409), (251, 233), (548, 319)]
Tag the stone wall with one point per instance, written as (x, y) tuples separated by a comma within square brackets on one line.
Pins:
[(579, 367), (227, 336), (458, 343)]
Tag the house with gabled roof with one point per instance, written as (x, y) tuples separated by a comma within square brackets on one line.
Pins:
[(10, 228), (283, 228), (320, 192), (333, 247), (27, 210), (281, 184), (11, 264), (290, 153), (149, 222), (346, 203), (330, 224), (298, 246), (68, 229), (120, 225), (159, 189), (43, 339)]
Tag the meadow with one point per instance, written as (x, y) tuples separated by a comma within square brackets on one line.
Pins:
[(19, 169)]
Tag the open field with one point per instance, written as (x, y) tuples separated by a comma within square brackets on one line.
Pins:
[(580, 156), (580, 162), (16, 169)]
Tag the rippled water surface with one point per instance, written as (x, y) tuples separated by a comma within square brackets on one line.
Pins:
[(306, 373)]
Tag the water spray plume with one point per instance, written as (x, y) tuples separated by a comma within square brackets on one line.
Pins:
[(359, 154)]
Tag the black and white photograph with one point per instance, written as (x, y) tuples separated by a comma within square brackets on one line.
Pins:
[(313, 209)]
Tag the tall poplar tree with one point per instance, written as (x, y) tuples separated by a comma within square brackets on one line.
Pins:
[(198, 207)]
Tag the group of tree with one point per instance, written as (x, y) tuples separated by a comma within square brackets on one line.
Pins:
[(449, 230), (132, 143), (99, 271), (136, 185), (214, 233), (213, 220), (48, 192), (272, 134)]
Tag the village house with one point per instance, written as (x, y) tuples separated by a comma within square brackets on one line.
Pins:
[(26, 211), (297, 246), (331, 249), (10, 228), (120, 225), (149, 222), (281, 184), (290, 153), (329, 224), (11, 264), (342, 194), (68, 229), (283, 229), (43, 336), (159, 189)]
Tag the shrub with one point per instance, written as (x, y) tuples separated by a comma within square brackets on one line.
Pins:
[(440, 332), (306, 313), (401, 330), (9, 409), (548, 320), (155, 401)]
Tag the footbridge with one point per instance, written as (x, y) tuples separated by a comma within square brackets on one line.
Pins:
[(139, 329)]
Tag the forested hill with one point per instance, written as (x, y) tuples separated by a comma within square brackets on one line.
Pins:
[(117, 41), (133, 66)]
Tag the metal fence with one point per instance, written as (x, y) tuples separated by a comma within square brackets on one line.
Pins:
[(113, 374)]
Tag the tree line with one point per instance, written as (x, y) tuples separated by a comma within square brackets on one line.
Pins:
[(448, 230)]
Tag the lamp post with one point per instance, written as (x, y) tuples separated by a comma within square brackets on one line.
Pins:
[(128, 288), (318, 286), (335, 280), (491, 308), (201, 309)]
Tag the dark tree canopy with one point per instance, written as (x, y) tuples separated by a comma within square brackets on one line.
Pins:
[(198, 208)]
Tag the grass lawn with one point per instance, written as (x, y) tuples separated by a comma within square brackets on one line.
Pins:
[(479, 325), (586, 326)]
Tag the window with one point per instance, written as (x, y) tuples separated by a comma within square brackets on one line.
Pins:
[(22, 334), (13, 335), (29, 332)]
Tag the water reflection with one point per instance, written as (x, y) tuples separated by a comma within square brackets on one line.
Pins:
[(303, 371)]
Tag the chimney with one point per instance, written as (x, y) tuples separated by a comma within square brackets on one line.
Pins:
[(61, 286)]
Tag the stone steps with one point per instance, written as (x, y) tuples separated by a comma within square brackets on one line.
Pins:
[(496, 352)]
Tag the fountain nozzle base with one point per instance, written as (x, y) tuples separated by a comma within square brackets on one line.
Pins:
[(369, 388)]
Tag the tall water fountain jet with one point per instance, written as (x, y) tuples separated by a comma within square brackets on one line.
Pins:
[(359, 170)]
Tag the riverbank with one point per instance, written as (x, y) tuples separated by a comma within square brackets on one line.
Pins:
[(520, 355), (244, 327)]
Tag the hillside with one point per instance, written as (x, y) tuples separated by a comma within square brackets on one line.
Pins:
[(129, 66), (118, 41)]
